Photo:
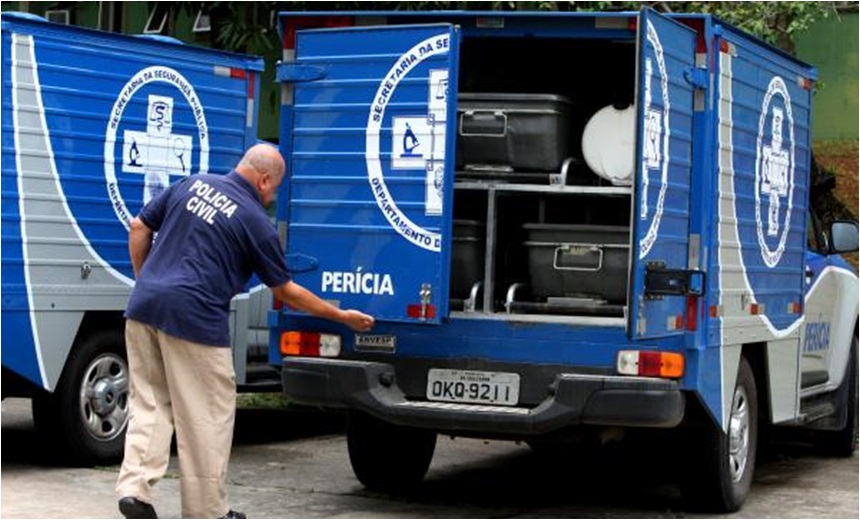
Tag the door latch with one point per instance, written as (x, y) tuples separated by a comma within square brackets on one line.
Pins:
[(660, 281), (426, 293)]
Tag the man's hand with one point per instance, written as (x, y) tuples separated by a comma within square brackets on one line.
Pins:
[(357, 321), (302, 299)]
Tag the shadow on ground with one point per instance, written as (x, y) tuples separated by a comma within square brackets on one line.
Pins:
[(22, 445), (639, 474), (261, 426)]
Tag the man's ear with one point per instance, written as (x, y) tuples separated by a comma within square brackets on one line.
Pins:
[(262, 181)]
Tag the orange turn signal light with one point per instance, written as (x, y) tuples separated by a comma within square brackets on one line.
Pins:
[(671, 365), (291, 343)]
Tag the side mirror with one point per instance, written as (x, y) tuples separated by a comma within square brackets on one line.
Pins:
[(843, 236)]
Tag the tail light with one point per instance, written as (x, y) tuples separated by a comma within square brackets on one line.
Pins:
[(650, 363), (310, 344)]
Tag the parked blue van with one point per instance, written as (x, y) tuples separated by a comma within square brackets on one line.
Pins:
[(563, 223), (95, 124)]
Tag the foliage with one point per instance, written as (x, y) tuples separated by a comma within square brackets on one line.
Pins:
[(238, 26), (774, 22), (258, 400), (245, 27)]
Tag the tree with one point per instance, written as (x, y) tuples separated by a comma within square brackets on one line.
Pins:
[(775, 22), (244, 26)]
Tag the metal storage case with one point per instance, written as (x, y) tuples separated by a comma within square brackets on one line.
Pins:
[(519, 132), (467, 259), (578, 261)]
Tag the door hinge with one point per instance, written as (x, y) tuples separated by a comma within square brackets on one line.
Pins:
[(697, 76), (299, 263), (641, 323), (294, 72)]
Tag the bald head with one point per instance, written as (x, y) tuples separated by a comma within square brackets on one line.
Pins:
[(261, 159), (263, 166)]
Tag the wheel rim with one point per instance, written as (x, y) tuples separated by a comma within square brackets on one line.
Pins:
[(739, 434), (104, 397)]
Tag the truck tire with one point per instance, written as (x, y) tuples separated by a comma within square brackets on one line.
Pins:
[(842, 442), (87, 415), (386, 457), (718, 466)]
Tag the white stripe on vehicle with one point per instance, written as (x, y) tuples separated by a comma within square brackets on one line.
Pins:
[(17, 71)]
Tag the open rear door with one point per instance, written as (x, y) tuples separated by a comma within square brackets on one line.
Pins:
[(660, 263), (371, 154)]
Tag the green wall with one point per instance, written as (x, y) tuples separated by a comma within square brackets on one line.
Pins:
[(831, 45)]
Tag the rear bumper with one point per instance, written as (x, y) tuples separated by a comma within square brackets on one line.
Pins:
[(577, 399)]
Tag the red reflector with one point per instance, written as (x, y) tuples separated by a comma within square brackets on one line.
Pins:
[(277, 305), (692, 311), (649, 363), (714, 311), (308, 343), (237, 73), (291, 25), (289, 35), (699, 27), (414, 311), (632, 23), (250, 84), (755, 308), (338, 21)]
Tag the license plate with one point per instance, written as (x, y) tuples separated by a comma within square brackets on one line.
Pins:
[(471, 386)]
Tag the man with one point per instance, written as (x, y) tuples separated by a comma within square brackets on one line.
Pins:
[(213, 233)]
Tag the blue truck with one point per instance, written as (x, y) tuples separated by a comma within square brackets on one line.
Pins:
[(564, 223), (94, 125)]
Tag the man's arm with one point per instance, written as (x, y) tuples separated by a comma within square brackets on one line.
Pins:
[(139, 244), (302, 299)]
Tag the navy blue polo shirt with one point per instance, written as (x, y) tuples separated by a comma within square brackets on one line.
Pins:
[(213, 233)]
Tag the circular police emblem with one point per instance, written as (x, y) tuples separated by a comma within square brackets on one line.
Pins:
[(774, 172), (655, 141), (417, 144), (155, 145)]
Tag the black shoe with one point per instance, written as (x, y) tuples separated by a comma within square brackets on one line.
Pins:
[(234, 514), (131, 507)]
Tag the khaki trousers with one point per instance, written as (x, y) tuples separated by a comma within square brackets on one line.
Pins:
[(190, 387)]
